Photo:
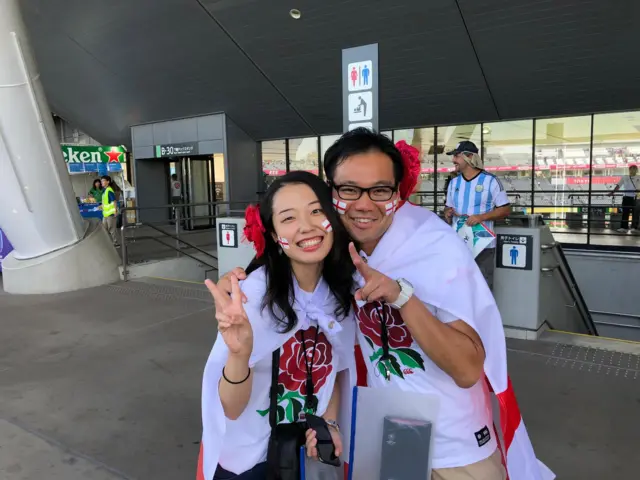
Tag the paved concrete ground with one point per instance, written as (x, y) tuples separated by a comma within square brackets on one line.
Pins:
[(111, 376), (105, 384)]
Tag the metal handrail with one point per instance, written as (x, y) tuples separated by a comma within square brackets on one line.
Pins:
[(576, 293), (178, 219)]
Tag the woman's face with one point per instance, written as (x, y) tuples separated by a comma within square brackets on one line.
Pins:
[(301, 227), (97, 184)]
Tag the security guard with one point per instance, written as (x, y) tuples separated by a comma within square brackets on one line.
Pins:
[(109, 207)]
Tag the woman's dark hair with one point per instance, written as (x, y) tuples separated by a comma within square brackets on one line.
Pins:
[(362, 140), (337, 270), (98, 181)]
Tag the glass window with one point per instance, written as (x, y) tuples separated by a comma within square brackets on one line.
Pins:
[(616, 147), (424, 140), (303, 154), (325, 143), (508, 154), (447, 139), (562, 175), (274, 161), (219, 177)]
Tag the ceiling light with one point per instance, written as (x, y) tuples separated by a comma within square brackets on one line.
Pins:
[(295, 13)]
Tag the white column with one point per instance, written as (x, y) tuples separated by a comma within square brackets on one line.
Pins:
[(55, 250), (38, 210)]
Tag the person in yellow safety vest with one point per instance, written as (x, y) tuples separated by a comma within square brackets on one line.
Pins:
[(109, 207)]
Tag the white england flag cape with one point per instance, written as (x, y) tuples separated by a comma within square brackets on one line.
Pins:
[(266, 339), (426, 251)]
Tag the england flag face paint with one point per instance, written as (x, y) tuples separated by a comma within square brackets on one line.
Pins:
[(326, 224), (340, 206), (391, 207), (284, 243)]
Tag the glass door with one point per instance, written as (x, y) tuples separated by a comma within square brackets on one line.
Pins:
[(199, 192)]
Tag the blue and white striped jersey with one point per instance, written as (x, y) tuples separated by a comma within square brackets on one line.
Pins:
[(481, 194)]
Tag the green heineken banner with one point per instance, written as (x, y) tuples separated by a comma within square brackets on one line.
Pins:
[(94, 159)]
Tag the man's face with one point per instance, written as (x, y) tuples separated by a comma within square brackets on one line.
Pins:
[(365, 219), (458, 161), (633, 171)]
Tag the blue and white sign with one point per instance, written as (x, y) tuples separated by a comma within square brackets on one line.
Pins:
[(360, 76), (514, 255), (515, 251), (360, 87)]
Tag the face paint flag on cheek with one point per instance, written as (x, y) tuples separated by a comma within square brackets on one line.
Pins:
[(326, 224), (391, 207), (340, 206), (284, 243)]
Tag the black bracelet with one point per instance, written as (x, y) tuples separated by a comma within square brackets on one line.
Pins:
[(236, 383)]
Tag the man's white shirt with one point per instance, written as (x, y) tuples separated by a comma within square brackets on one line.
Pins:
[(629, 185)]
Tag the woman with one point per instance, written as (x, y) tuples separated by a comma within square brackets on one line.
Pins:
[(96, 190), (298, 313)]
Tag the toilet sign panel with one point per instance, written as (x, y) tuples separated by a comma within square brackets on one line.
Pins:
[(515, 251), (360, 106), (360, 76), (360, 87), (228, 235)]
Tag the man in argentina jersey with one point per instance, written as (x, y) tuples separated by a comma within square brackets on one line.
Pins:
[(478, 195)]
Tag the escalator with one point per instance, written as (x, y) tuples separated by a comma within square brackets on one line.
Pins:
[(571, 313)]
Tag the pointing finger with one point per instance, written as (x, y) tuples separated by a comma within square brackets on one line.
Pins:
[(359, 263)]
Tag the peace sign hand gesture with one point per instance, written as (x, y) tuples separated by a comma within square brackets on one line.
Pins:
[(378, 287), (233, 323)]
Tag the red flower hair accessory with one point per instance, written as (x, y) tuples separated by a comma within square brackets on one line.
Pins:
[(253, 229), (411, 161)]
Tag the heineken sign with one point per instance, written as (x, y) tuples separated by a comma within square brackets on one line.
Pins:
[(93, 159), (177, 149)]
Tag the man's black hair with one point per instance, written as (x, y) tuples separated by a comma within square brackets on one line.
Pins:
[(361, 140)]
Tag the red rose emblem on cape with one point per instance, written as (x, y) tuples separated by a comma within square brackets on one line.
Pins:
[(293, 369), (370, 326)]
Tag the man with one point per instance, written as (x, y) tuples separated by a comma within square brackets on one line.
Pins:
[(424, 312), (109, 208), (479, 196), (630, 185)]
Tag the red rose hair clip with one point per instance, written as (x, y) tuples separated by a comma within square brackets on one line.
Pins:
[(254, 230), (411, 161)]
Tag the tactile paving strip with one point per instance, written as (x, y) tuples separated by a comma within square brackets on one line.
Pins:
[(162, 292), (587, 359)]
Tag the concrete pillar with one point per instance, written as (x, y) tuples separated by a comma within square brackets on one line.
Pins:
[(38, 211)]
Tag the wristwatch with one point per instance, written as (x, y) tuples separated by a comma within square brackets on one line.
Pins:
[(406, 292)]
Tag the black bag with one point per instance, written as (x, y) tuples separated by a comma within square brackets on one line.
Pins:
[(283, 454)]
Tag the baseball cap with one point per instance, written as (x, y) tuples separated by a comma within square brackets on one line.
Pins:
[(464, 146)]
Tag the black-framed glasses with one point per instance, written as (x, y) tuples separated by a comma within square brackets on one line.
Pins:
[(376, 194)]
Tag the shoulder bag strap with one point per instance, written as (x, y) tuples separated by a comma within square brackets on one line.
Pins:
[(273, 392)]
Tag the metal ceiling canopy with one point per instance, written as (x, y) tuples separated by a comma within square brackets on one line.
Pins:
[(107, 65)]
